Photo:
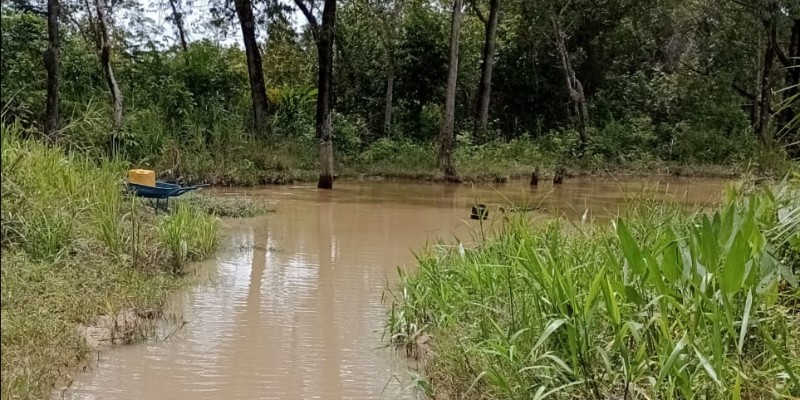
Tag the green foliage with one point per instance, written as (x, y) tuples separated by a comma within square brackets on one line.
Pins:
[(623, 141), (398, 158), (226, 206), (661, 305), (653, 100), (292, 102), (188, 236), (73, 248), (23, 42)]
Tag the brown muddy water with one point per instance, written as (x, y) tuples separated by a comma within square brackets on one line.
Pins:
[(292, 307)]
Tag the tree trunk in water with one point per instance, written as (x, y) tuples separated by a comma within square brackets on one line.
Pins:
[(51, 59), (447, 138), (177, 17), (387, 113), (485, 84), (258, 92), (324, 86), (108, 72), (574, 86), (762, 128)]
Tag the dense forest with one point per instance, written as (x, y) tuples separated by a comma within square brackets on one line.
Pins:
[(256, 91), (661, 302)]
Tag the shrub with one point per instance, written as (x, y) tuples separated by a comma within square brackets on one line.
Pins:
[(659, 305)]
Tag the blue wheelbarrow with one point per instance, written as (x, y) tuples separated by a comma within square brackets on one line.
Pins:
[(161, 191)]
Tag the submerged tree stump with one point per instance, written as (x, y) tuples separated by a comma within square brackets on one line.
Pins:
[(479, 211), (535, 177), (558, 177)]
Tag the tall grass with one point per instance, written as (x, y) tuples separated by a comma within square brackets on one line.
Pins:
[(659, 305), (188, 236), (73, 248)]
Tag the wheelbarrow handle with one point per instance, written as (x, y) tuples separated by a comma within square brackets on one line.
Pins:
[(183, 190)]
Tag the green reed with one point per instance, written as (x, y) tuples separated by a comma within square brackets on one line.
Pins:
[(659, 304)]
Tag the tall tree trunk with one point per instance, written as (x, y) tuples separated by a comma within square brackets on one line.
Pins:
[(51, 59), (258, 92), (108, 72), (387, 112), (324, 36), (574, 86), (447, 138), (794, 53), (387, 16), (762, 128), (324, 89), (177, 18), (792, 72), (485, 85)]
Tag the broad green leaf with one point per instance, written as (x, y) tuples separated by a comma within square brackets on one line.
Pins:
[(633, 296), (733, 273), (611, 304), (655, 275), (588, 306), (708, 245), (671, 265), (726, 225), (630, 249)]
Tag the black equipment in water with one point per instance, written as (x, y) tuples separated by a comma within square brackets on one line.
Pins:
[(479, 211)]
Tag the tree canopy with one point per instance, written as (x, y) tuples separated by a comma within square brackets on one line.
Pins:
[(696, 81)]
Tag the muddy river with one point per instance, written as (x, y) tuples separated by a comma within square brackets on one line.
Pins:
[(291, 307)]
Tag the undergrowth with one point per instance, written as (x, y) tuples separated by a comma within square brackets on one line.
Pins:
[(75, 247), (659, 305), (238, 206)]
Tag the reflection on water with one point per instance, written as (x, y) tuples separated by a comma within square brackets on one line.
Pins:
[(293, 306)]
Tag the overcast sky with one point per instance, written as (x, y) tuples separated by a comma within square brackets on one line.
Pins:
[(198, 14)]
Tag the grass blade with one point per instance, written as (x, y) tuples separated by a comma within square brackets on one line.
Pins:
[(745, 319)]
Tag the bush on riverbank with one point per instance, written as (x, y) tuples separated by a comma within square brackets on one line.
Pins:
[(238, 206), (660, 305), (74, 248), (248, 161)]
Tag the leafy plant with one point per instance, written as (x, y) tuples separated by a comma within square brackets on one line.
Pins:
[(661, 305)]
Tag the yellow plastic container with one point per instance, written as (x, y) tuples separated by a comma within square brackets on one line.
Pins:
[(144, 177)]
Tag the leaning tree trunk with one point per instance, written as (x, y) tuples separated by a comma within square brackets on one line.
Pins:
[(765, 100), (108, 72), (387, 112), (258, 92), (574, 86), (447, 138), (51, 59), (324, 89), (792, 65), (177, 18), (485, 85), (794, 53)]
